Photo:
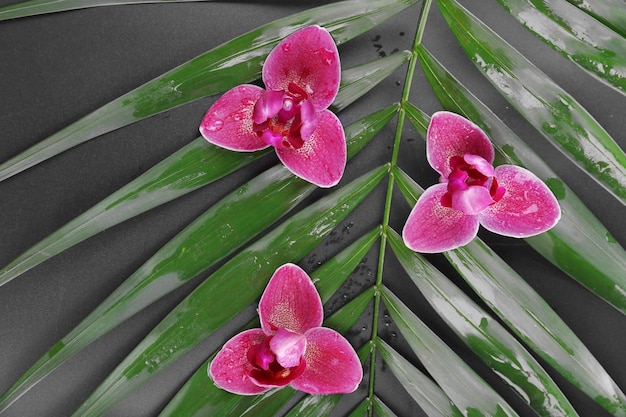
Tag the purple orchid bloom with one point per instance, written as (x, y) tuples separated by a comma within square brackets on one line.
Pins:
[(290, 348), (301, 76), (508, 200)]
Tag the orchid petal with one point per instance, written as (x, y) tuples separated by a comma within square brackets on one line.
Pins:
[(433, 228), (288, 347), (309, 59), (228, 122), (231, 367), (333, 366), (450, 134), (321, 159), (527, 207), (290, 301)]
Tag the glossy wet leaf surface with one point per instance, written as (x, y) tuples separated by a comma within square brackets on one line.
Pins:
[(420, 324)]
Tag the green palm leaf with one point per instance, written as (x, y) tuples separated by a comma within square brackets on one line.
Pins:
[(426, 393), (236, 219), (554, 112), (610, 12), (537, 324), (597, 49), (235, 246), (469, 393), (484, 335), (194, 318), (526, 314), (218, 70), (381, 409), (195, 165), (197, 398), (36, 7), (578, 244)]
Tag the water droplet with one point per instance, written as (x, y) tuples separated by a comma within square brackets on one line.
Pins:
[(610, 238), (550, 128), (215, 125), (247, 101), (327, 55), (238, 116), (286, 47)]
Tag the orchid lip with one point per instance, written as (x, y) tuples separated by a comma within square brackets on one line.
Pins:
[(284, 119), (472, 186), (277, 361)]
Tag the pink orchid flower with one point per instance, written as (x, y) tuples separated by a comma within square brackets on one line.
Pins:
[(301, 76), (290, 348), (508, 200)]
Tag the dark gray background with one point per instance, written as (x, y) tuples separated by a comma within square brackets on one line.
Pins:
[(56, 68)]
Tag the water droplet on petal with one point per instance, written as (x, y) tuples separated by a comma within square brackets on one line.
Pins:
[(215, 125), (238, 116), (286, 47), (327, 55)]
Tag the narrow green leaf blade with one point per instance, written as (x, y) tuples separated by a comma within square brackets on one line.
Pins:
[(598, 49), (331, 275), (345, 317), (528, 315), (265, 405), (426, 393), (382, 410), (37, 7), (534, 321), (361, 410), (464, 387), (200, 397), (314, 406), (235, 62), (550, 109), (579, 244), (489, 340), (219, 231), (194, 250), (609, 12), (194, 166), (357, 81), (194, 319)]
